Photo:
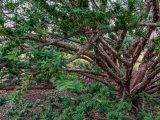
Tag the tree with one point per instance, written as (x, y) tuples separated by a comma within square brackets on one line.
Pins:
[(110, 35)]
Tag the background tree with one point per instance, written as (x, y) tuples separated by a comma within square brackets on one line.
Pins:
[(111, 36)]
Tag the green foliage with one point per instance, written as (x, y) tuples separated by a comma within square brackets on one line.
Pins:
[(35, 61), (2, 100), (145, 116), (97, 100), (1, 20), (68, 18), (157, 46), (76, 107), (68, 82)]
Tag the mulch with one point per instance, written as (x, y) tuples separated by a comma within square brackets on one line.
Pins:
[(30, 97)]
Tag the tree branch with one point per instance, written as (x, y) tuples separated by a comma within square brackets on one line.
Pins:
[(51, 43), (86, 72), (117, 79), (108, 60), (95, 78), (138, 78), (150, 24), (153, 81), (84, 48), (31, 87), (107, 46), (154, 90), (156, 10), (134, 87), (152, 87), (58, 44), (121, 37), (148, 52)]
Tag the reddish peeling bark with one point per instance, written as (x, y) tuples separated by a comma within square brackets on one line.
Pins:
[(117, 69)]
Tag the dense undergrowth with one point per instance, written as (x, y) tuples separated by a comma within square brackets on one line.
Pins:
[(97, 102)]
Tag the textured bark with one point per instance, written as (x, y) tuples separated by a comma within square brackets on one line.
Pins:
[(116, 63)]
